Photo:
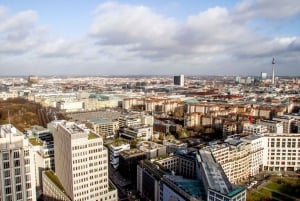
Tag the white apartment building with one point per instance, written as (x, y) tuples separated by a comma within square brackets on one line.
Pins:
[(70, 106), (234, 157), (268, 152), (115, 149), (151, 149), (81, 164), (129, 120), (105, 127), (138, 132), (282, 152), (253, 129), (287, 122), (273, 126), (135, 119), (50, 99), (43, 158), (256, 153), (17, 172)]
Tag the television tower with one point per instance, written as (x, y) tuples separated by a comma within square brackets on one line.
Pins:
[(273, 73)]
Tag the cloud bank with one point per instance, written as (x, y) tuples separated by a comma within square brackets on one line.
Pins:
[(135, 39)]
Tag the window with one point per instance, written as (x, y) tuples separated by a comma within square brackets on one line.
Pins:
[(17, 171), (19, 196), (8, 198), (7, 182), (28, 185), (6, 165), (26, 152), (5, 156), (7, 173), (27, 161), (16, 154), (7, 190), (18, 187), (17, 163), (18, 180)]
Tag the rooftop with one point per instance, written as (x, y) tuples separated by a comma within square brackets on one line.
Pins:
[(35, 142), (214, 173), (51, 175), (235, 191), (92, 136), (131, 152), (100, 121), (190, 186)]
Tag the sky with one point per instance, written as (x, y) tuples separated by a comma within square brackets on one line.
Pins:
[(131, 37)]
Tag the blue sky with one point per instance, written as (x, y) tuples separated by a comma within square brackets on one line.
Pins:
[(191, 37)]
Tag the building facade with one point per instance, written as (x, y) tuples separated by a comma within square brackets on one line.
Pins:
[(17, 172), (81, 163), (281, 152), (179, 80)]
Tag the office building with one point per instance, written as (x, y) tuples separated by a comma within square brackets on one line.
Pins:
[(137, 132), (281, 152), (107, 128), (252, 129), (216, 184), (128, 162), (264, 76), (288, 122), (206, 180), (234, 157), (81, 165), (256, 153), (273, 126), (151, 149), (17, 171), (115, 149), (179, 80)]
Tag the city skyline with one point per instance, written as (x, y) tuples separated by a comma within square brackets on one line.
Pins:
[(146, 38)]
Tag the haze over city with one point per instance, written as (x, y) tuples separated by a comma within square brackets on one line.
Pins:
[(149, 37)]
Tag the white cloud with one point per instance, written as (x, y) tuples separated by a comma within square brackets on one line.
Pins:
[(208, 38), (273, 9), (60, 48), (19, 32), (137, 25), (135, 39)]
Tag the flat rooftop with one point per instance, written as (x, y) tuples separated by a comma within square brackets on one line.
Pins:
[(131, 153), (101, 121), (9, 129), (190, 186), (251, 137), (35, 141), (214, 173)]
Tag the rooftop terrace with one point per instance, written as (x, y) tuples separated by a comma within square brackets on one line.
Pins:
[(35, 142)]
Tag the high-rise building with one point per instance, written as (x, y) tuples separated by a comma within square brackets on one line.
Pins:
[(264, 76), (179, 80), (81, 164), (17, 173)]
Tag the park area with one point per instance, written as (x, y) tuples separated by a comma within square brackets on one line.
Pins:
[(276, 188)]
